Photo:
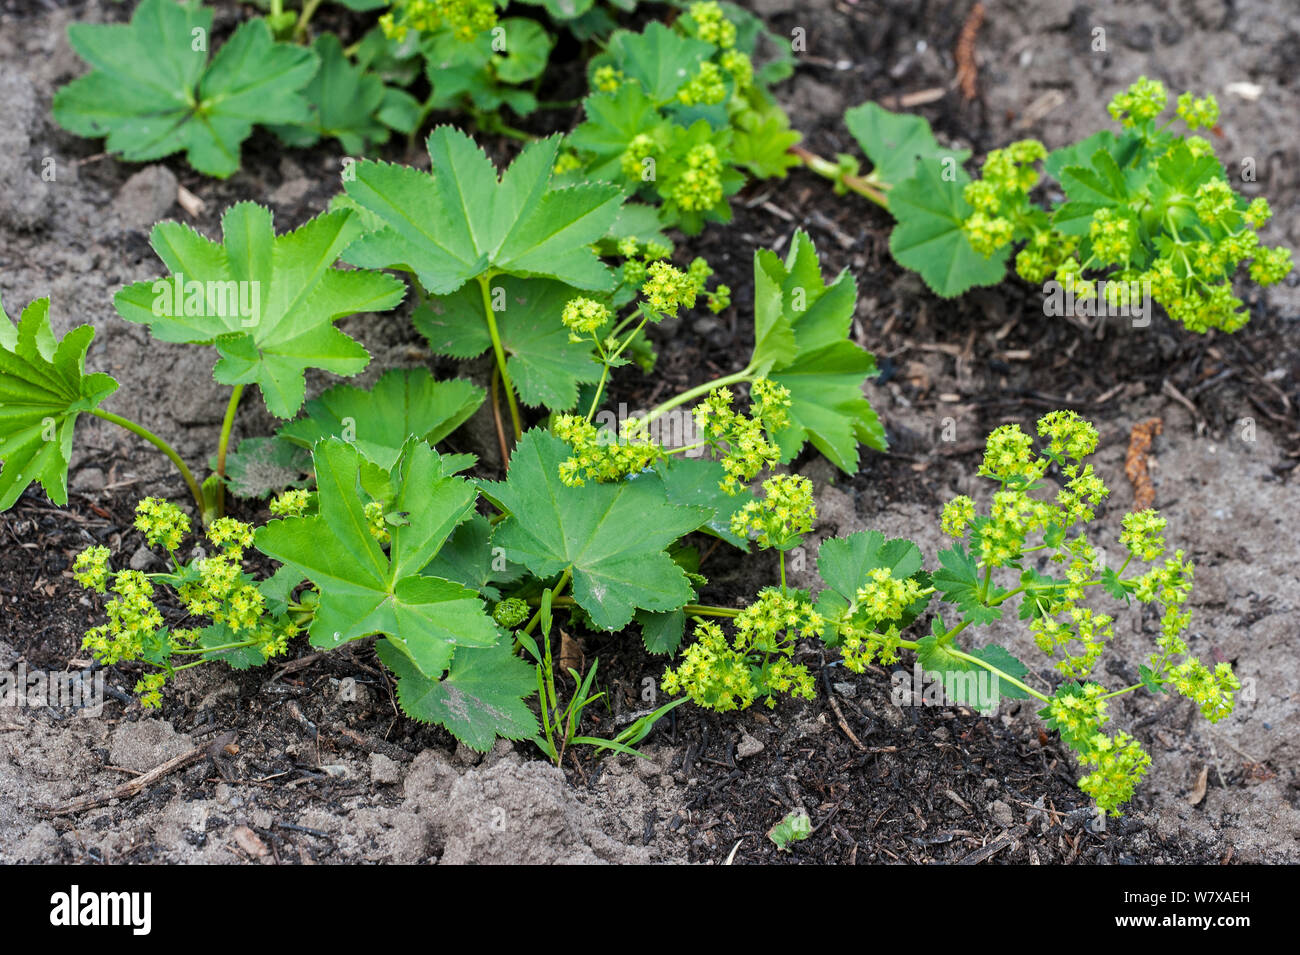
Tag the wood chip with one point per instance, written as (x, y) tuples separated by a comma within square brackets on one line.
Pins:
[(571, 655), (967, 70), (250, 842), (1198, 791), (188, 201), (1135, 462)]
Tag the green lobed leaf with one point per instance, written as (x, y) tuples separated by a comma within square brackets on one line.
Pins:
[(260, 466), (959, 583), (844, 563), (469, 559), (658, 58), (696, 482), (402, 403), (802, 328), (661, 633), (762, 144), (928, 238), (967, 683), (611, 536), (366, 590), (897, 143), (481, 697), (545, 366), (43, 388), (152, 92), (460, 221), (267, 303), (345, 101), (613, 121)]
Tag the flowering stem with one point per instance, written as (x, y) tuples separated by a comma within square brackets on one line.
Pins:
[(500, 353), (225, 646), (223, 445), (829, 170), (781, 557), (998, 673), (697, 392), (691, 610), (1127, 689), (600, 388), (161, 445)]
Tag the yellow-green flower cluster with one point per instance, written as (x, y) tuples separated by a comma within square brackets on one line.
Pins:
[(1091, 630), (705, 88), (598, 455), (1212, 690), (699, 185), (727, 675), (1143, 101), (163, 523), (377, 525), (1197, 113), (1112, 236), (957, 516), (711, 673), (1169, 585), (91, 569), (1000, 196), (1044, 253), (132, 621), (743, 440), (1270, 266), (1142, 534), (232, 536), (214, 587), (1215, 201), (1009, 456), (567, 161), (582, 317), (1118, 765), (466, 18), (607, 79), (1077, 712), (712, 25), (292, 503), (633, 160), (740, 66), (987, 233), (1068, 435), (868, 628), (667, 289), (782, 516), (149, 689)]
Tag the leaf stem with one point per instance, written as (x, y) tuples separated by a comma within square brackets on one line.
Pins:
[(829, 170), (308, 9), (556, 599), (223, 445), (162, 446), (484, 281)]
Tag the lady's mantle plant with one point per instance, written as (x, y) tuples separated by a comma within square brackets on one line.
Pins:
[(1029, 546)]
